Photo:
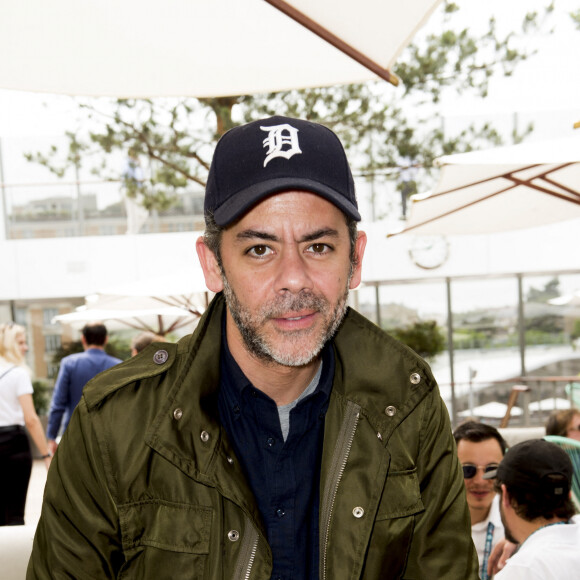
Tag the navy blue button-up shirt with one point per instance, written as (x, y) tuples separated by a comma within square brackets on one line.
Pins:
[(283, 475)]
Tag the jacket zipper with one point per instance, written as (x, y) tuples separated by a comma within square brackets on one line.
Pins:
[(337, 466), (248, 551)]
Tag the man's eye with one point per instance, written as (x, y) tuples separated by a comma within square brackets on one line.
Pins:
[(319, 248), (259, 250)]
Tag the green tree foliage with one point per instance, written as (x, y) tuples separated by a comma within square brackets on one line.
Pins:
[(549, 291), (424, 337), (383, 127), (41, 397)]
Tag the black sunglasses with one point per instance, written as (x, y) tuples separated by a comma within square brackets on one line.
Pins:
[(469, 470)]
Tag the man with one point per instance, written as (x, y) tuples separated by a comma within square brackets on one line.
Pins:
[(288, 437), (480, 448), (534, 481), (76, 370)]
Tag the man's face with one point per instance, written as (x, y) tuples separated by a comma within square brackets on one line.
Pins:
[(286, 276), (480, 492)]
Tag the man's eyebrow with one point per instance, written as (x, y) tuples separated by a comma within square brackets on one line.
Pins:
[(316, 235), (252, 234), (322, 233)]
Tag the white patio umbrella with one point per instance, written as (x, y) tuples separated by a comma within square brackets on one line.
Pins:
[(160, 304), (501, 189), (572, 299), (492, 410), (549, 404), (203, 48), (157, 320)]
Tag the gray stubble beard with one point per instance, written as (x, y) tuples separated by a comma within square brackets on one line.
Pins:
[(256, 343)]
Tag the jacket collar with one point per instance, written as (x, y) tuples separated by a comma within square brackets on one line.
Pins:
[(372, 369)]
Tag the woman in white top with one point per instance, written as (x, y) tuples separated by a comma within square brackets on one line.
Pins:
[(16, 412)]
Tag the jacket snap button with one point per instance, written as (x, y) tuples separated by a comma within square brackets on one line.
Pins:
[(390, 411), (358, 512), (230, 460), (233, 535), (204, 436), (415, 378), (177, 414), (160, 357)]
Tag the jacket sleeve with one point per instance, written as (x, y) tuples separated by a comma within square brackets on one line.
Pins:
[(59, 401), (442, 546), (78, 534)]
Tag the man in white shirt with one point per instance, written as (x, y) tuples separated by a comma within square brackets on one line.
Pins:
[(480, 448), (534, 481)]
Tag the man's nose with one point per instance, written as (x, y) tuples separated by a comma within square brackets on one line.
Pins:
[(294, 273)]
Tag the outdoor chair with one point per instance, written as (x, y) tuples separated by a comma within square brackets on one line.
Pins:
[(572, 448)]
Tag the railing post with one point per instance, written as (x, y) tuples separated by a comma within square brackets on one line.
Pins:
[(450, 350)]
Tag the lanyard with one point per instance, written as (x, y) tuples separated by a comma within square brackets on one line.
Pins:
[(487, 550)]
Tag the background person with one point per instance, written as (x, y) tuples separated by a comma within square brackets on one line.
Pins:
[(534, 482), (16, 412), (288, 436), (480, 448), (76, 370), (142, 340), (564, 424)]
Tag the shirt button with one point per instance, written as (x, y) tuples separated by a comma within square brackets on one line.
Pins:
[(415, 378), (270, 441), (160, 357), (280, 513)]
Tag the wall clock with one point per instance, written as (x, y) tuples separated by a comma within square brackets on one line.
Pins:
[(429, 252)]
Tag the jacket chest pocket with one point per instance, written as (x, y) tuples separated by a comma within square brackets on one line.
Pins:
[(401, 496), (394, 525), (163, 539)]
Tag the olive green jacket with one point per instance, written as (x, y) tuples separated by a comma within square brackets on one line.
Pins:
[(145, 483)]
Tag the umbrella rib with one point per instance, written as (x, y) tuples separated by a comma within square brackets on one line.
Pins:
[(124, 321), (176, 302), (515, 183), (486, 180), (454, 210), (334, 40)]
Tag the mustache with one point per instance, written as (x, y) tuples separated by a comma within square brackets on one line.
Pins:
[(293, 303)]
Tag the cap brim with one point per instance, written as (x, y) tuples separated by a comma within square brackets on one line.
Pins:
[(239, 204)]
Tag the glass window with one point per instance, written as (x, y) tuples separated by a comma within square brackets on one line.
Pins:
[(48, 314), (52, 343)]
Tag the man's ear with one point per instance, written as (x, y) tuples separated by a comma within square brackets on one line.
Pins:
[(505, 497), (209, 265), (359, 250)]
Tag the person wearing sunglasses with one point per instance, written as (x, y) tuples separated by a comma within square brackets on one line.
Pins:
[(480, 448)]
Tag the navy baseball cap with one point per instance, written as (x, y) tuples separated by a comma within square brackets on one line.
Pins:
[(274, 155), (535, 464)]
